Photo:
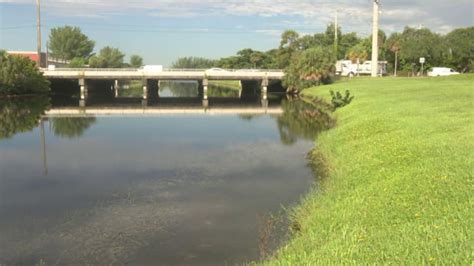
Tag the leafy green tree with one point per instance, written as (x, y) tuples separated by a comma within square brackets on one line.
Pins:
[(77, 62), (248, 58), (392, 49), (19, 75), (329, 38), (194, 62), (306, 42), (244, 58), (360, 53), (69, 42), (382, 38), (310, 68), (288, 47), (256, 58), (289, 38), (270, 59), (229, 62), (416, 43), (346, 42), (70, 128), (136, 61), (460, 46), (320, 39), (108, 58)]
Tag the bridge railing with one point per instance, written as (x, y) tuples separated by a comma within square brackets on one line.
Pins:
[(92, 69), (164, 70)]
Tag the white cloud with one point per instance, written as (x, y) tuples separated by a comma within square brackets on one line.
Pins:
[(354, 15)]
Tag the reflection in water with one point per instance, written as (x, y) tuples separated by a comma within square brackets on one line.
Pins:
[(178, 89), (248, 117), (187, 89), (301, 119), (132, 88), (173, 189), (68, 127), (21, 114), (218, 90)]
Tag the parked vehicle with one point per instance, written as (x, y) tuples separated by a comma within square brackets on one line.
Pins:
[(349, 69), (152, 68), (442, 71)]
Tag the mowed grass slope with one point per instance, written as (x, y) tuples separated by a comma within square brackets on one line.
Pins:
[(400, 188)]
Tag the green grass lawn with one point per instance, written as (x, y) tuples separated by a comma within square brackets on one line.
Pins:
[(400, 187)]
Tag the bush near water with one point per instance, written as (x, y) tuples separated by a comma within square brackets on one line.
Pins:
[(19, 76)]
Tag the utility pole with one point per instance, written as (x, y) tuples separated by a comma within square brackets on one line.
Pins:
[(335, 37), (38, 30), (375, 39)]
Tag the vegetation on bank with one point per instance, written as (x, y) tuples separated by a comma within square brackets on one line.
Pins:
[(400, 179), (19, 76)]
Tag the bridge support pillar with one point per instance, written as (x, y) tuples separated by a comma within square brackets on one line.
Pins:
[(205, 99), (240, 90), (116, 88), (265, 93), (145, 92), (158, 89), (83, 92)]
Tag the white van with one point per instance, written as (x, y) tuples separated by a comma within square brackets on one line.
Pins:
[(442, 71)]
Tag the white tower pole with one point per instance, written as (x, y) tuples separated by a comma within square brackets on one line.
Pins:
[(38, 30), (375, 39)]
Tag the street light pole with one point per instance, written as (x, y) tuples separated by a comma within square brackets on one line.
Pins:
[(375, 39), (38, 30)]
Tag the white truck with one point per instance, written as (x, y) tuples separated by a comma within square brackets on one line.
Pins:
[(349, 69)]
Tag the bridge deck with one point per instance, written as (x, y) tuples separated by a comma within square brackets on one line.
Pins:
[(169, 74)]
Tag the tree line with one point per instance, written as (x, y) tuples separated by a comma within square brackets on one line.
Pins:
[(309, 59), (70, 44)]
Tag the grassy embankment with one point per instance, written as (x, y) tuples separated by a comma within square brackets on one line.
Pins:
[(400, 184)]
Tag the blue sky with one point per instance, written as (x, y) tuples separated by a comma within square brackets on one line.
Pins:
[(163, 30)]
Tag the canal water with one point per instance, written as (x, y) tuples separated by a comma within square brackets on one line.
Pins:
[(163, 189)]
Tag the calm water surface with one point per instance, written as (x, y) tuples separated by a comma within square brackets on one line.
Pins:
[(163, 190)]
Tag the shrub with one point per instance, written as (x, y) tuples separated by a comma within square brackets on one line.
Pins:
[(339, 101), (19, 75)]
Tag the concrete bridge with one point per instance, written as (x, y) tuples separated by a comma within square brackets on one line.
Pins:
[(151, 79)]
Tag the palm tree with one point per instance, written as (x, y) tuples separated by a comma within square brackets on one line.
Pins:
[(394, 46)]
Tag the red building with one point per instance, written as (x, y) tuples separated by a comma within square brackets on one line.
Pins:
[(31, 55)]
